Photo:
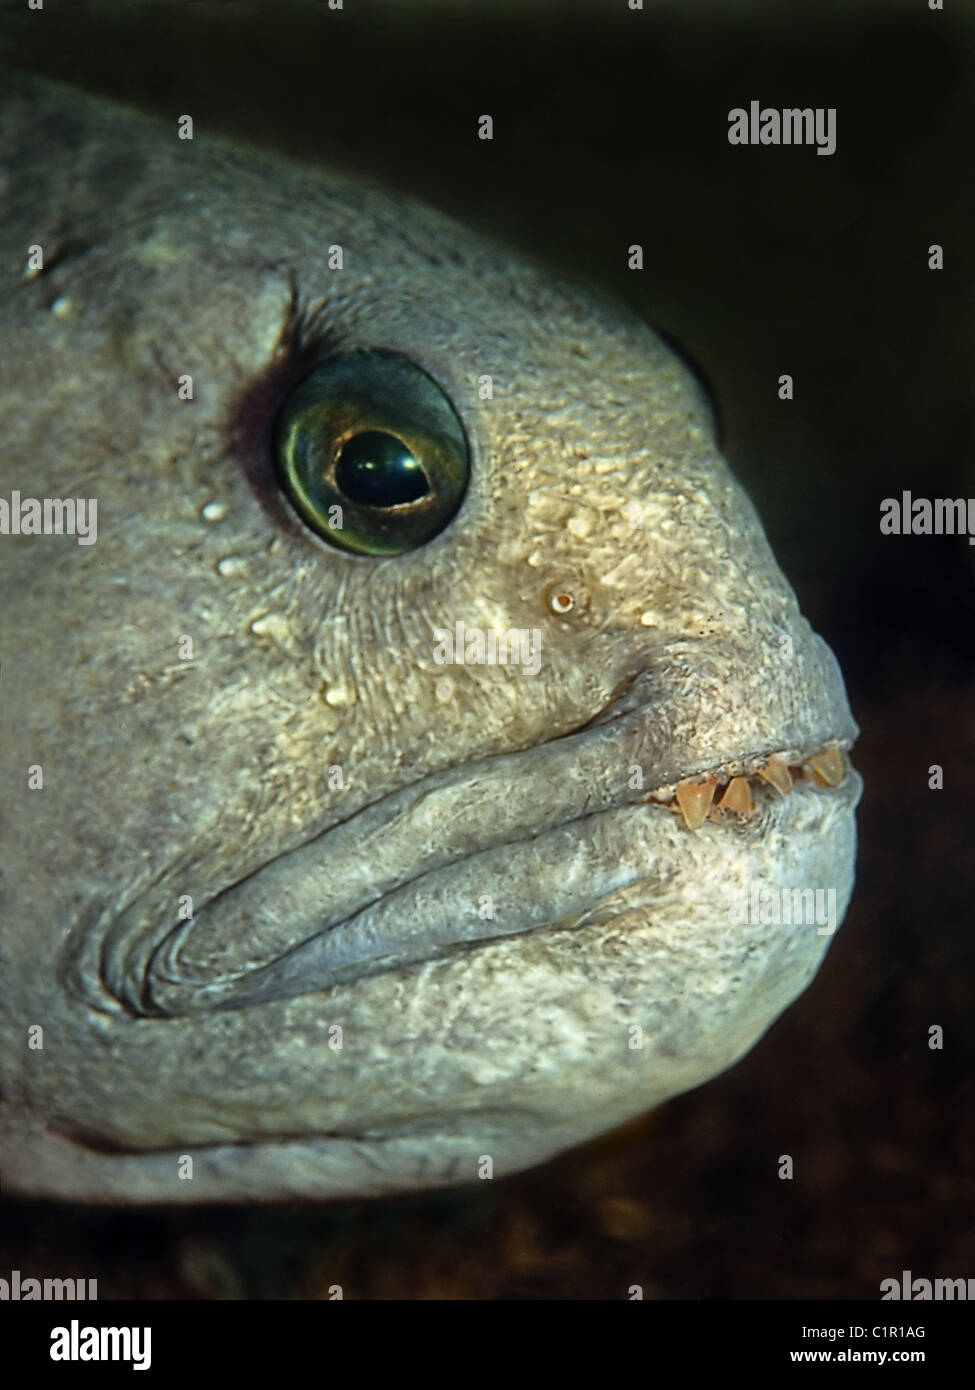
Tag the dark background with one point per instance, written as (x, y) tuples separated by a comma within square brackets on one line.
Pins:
[(611, 128)]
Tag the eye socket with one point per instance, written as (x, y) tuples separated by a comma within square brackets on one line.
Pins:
[(371, 453)]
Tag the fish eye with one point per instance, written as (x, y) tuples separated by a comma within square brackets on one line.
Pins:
[(371, 453)]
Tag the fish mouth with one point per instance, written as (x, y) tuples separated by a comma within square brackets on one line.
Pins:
[(555, 835)]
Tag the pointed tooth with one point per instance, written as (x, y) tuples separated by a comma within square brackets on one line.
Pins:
[(776, 771), (694, 800), (828, 767), (738, 797)]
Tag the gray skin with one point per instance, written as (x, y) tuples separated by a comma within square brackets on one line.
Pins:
[(465, 1037)]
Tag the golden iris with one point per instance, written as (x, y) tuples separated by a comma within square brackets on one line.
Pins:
[(372, 454)]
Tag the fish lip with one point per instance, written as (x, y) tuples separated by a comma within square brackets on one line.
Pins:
[(307, 969), (144, 964)]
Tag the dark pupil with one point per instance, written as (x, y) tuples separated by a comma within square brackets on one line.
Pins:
[(378, 470)]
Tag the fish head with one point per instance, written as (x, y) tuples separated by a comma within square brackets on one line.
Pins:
[(364, 841)]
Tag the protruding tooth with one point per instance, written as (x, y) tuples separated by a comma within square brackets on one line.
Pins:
[(738, 797), (828, 767), (776, 771), (694, 800)]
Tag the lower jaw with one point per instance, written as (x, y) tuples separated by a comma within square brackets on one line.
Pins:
[(536, 1028)]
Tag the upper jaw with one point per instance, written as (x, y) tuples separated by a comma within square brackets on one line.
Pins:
[(393, 884)]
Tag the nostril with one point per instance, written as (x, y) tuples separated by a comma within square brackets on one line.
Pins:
[(566, 595)]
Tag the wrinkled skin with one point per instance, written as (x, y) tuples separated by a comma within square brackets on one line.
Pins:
[(594, 471)]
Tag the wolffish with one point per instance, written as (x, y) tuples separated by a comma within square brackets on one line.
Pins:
[(297, 897)]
